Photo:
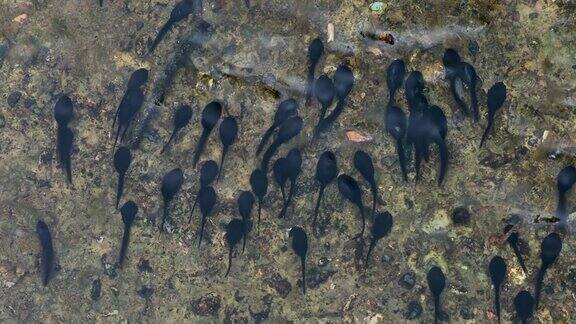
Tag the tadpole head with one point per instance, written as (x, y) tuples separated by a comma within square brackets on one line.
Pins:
[(211, 114), (451, 58), (172, 182), (324, 90), (315, 50), (63, 110), (208, 172), (497, 269), (138, 78), (259, 183), (289, 129), (436, 280), (496, 97), (343, 81), (550, 249), (234, 232), (182, 116), (396, 122), (286, 109), (382, 225), (122, 159), (128, 212), (228, 131), (566, 179), (327, 168)]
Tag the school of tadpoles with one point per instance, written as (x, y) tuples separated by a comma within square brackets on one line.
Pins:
[(423, 128)]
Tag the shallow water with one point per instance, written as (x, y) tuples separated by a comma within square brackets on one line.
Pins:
[(250, 59)]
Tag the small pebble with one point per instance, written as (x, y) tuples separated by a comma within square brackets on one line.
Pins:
[(96, 289), (377, 6), (461, 216), (13, 99), (323, 262), (413, 311), (408, 280), (145, 292)]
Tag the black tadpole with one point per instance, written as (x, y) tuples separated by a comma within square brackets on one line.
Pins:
[(436, 283), (380, 228), (171, 184), (300, 247), (513, 240), (47, 254), (180, 12), (228, 134), (210, 117), (497, 269), (234, 233), (549, 251), (245, 204), (122, 160), (259, 184), (350, 190), (207, 198), (524, 305), (181, 119), (286, 109), (289, 129), (315, 50), (396, 125), (363, 163), (395, 79), (564, 182), (208, 173), (495, 101), (128, 211), (326, 172)]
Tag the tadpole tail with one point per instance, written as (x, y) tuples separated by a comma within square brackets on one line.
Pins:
[(265, 138), (372, 245), (164, 216), (361, 234), (436, 309), (538, 289), (317, 208), (497, 302), (325, 123), (402, 159), (561, 210), (268, 155), (120, 189), (374, 197), (259, 214), (193, 207), (443, 151), (303, 262), (68, 166), (117, 137), (287, 201), (309, 83), (474, 102), (245, 236), (169, 140), (459, 101), (200, 146), (202, 230), (47, 258), (417, 159), (519, 257), (221, 168), (487, 130), (124, 246), (229, 262), (161, 35)]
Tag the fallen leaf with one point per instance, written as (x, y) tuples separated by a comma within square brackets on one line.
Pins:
[(354, 136)]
